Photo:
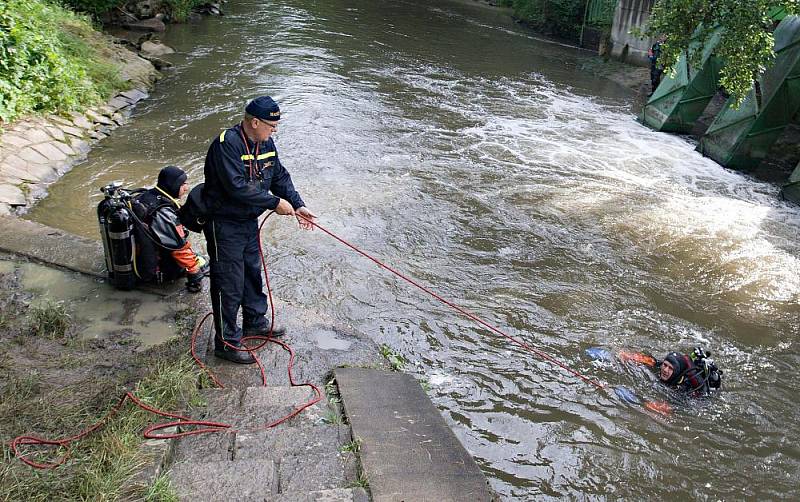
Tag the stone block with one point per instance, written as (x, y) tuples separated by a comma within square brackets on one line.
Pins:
[(12, 195), (335, 495), (151, 48), (223, 481), (35, 135), (72, 131), (15, 163), (119, 118), (64, 148), (56, 133), (5, 209), (81, 122), (80, 146), (32, 156), (14, 140), (40, 173), (205, 447), (149, 25), (134, 95), (316, 472), (284, 441), (61, 121), (99, 118), (117, 103), (50, 152), (12, 175), (264, 405)]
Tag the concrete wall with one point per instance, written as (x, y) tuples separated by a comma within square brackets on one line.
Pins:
[(628, 15)]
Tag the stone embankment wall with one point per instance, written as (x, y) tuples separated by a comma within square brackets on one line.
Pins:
[(624, 46), (36, 151)]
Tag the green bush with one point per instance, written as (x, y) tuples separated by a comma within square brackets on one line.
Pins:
[(561, 18), (94, 7), (49, 60)]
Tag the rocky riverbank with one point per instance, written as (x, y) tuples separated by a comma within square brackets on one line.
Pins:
[(35, 151)]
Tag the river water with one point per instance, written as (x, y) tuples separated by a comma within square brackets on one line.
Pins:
[(495, 168)]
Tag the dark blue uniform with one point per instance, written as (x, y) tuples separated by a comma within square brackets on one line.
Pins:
[(242, 180)]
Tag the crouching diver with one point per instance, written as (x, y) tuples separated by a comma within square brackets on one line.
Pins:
[(695, 374), (163, 252)]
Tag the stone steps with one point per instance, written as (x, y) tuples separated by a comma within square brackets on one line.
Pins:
[(300, 456)]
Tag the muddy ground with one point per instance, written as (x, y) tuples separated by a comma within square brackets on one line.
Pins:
[(54, 382)]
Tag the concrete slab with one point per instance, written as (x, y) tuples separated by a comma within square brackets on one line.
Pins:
[(224, 481), (407, 450), (62, 249), (49, 245), (335, 495)]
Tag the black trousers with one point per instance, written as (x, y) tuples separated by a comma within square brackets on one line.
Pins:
[(235, 277)]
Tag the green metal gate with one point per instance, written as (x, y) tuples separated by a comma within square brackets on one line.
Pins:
[(681, 99), (740, 138)]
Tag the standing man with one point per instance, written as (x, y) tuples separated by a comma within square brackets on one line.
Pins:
[(244, 178), (656, 68)]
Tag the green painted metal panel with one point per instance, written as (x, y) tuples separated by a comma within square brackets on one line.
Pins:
[(791, 190), (741, 138), (600, 12), (681, 98)]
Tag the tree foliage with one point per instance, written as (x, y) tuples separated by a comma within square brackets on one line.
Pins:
[(746, 43)]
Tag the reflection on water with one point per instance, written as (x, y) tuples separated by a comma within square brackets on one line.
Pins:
[(494, 168)]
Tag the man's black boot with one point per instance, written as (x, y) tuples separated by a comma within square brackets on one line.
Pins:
[(277, 331), (233, 355)]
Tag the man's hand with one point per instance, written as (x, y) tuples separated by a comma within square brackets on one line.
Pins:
[(284, 208), (305, 218)]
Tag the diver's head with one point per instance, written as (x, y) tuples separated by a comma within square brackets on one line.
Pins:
[(672, 368), (172, 180)]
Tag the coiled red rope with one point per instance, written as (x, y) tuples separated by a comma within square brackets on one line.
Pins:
[(198, 426)]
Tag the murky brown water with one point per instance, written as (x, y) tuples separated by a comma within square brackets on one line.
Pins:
[(491, 166)]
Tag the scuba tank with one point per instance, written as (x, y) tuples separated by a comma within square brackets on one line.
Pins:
[(116, 229)]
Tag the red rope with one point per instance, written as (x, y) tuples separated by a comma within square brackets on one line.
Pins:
[(214, 427), (204, 426), (461, 310)]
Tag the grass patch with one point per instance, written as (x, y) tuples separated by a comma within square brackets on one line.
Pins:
[(395, 359), (180, 9), (50, 320), (333, 415), (100, 464), (160, 491), (353, 446)]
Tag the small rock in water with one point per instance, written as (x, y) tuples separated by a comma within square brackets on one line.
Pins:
[(151, 48)]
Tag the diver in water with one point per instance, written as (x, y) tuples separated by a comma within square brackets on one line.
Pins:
[(695, 373)]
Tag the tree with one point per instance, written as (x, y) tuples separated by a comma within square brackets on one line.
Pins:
[(746, 44)]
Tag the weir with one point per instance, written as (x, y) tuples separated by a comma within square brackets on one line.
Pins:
[(741, 138), (680, 99)]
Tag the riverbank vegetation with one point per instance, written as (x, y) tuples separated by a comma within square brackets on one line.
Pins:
[(746, 44), (51, 60), (563, 18)]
